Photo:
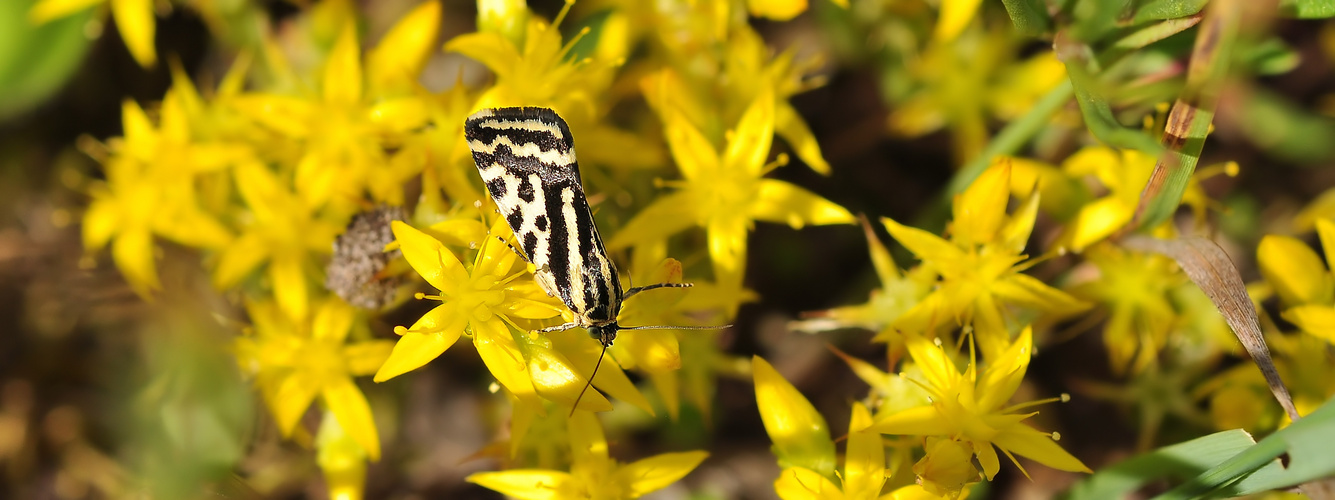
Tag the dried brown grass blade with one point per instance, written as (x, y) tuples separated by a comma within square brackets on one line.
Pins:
[(1210, 268)]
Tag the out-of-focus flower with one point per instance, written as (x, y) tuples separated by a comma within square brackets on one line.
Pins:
[(980, 266), (294, 361), (967, 407), (341, 459), (593, 473), (1305, 287), (1134, 289), (134, 20), (726, 193), (150, 190)]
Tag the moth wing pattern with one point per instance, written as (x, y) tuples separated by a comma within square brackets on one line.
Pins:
[(526, 157)]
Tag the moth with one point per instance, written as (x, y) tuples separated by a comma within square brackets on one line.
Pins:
[(526, 156)]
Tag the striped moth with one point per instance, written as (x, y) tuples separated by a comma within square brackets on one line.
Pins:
[(527, 159)]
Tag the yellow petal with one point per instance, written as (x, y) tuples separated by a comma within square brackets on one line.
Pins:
[(333, 320), (436, 264), (657, 472), (47, 10), (190, 226), (583, 353), (349, 406), (790, 126), (980, 209), (508, 18), (1294, 270), (1325, 231), (400, 115), (239, 259), (801, 483), (864, 461), (955, 15), (692, 152), (100, 222), (291, 398), (666, 216), (556, 379), (289, 285), (137, 127), (946, 468), (343, 69), (748, 146), (1318, 320), (778, 10), (727, 246), (497, 348), (588, 444), (651, 351), (398, 59), (1027, 291), (133, 253), (288, 115), (927, 246), (1004, 373), (918, 421), (529, 484), (428, 338), (801, 437), (1014, 234), (490, 49), (1039, 447), (341, 459), (1097, 220), (783, 203), (134, 19), (364, 358)]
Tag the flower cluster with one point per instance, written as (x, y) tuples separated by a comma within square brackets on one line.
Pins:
[(325, 189)]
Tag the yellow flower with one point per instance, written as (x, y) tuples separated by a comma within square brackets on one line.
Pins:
[(1305, 287), (540, 73), (134, 21), (497, 301), (341, 459), (726, 193), (962, 81), (345, 134), (967, 407), (980, 266), (898, 293), (295, 360), (150, 189), (593, 474), (1134, 288), (1124, 173), (805, 450), (282, 231)]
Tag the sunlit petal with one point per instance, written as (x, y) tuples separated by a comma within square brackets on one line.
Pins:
[(134, 19), (349, 405), (657, 472), (1294, 270), (528, 484), (784, 203), (430, 336), (801, 437)]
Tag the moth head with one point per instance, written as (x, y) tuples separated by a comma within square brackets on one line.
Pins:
[(605, 333)]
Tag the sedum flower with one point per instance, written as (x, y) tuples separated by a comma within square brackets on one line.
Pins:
[(898, 293), (593, 473), (1305, 287), (294, 361), (134, 21), (150, 190), (968, 407), (341, 459), (496, 300), (802, 441), (725, 192), (980, 266), (1134, 289), (280, 230), (346, 134)]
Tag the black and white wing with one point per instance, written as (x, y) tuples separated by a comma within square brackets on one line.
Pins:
[(527, 159)]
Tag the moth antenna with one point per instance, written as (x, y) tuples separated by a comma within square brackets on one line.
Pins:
[(590, 382), (634, 290), (671, 327)]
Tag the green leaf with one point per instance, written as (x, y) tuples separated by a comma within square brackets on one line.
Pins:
[(1030, 17), (1269, 57), (1149, 34), (1255, 469), (1096, 18), (36, 61), (1287, 131), (1156, 10), (1179, 461), (1307, 9), (1099, 116)]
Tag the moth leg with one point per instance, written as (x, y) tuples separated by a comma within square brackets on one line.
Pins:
[(546, 281), (646, 288), (515, 250), (558, 328)]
